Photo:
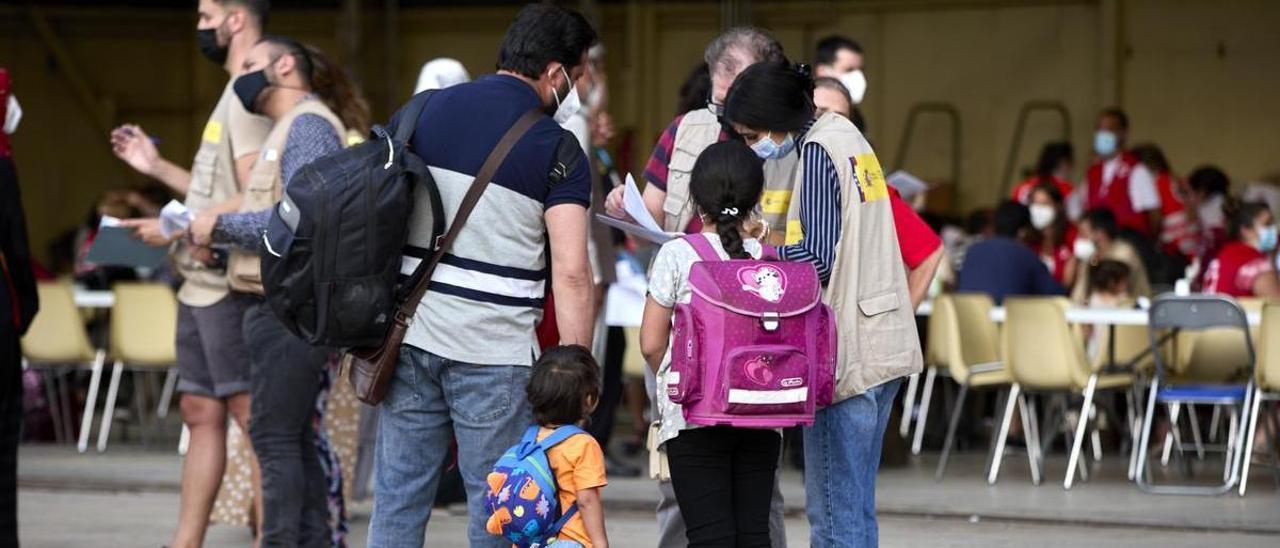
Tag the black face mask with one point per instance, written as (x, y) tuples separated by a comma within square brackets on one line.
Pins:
[(207, 39), (249, 86)]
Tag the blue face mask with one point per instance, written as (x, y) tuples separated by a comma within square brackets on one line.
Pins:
[(767, 149), (1267, 238), (1104, 142)]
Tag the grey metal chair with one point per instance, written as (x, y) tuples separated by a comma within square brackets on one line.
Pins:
[(1198, 313)]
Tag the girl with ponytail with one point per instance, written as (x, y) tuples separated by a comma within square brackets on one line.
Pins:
[(726, 183)]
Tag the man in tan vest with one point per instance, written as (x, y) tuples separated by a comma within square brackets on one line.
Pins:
[(213, 361), (839, 219)]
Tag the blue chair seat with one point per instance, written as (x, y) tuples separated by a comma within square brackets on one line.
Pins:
[(1202, 393)]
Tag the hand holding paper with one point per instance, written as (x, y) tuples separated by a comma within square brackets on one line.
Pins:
[(641, 223)]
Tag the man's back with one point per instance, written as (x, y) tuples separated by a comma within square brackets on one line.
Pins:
[(1000, 266), (486, 295)]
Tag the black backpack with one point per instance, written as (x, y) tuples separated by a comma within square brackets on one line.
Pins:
[(334, 242)]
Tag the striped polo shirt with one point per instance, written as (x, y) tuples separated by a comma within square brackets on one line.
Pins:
[(486, 296)]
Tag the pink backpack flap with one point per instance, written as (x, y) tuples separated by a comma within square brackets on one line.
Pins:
[(755, 347)]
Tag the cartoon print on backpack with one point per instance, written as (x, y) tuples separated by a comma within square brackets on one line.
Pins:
[(766, 282)]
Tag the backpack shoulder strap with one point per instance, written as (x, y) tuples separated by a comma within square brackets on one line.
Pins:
[(560, 434), (703, 246), (565, 516), (469, 201), (405, 120)]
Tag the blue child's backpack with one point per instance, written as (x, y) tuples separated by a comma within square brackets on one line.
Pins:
[(523, 499)]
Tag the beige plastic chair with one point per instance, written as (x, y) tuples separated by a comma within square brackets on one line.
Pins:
[(55, 340), (1267, 385), (935, 358), (143, 327), (1044, 355), (971, 354)]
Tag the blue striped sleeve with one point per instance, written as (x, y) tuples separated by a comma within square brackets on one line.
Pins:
[(819, 213)]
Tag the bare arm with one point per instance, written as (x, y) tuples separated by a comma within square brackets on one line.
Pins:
[(1267, 286), (919, 278), (592, 510), (655, 332), (570, 272)]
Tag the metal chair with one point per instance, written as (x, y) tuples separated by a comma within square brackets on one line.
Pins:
[(972, 355), (1203, 385), (1267, 390), (56, 340), (1043, 354), (143, 328)]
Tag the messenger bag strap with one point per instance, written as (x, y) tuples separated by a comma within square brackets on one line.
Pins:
[(469, 202)]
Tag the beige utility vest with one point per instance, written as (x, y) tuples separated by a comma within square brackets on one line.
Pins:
[(698, 130), (867, 289), (265, 186)]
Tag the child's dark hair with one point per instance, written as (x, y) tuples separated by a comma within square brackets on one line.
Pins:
[(563, 380), (726, 184), (1107, 275)]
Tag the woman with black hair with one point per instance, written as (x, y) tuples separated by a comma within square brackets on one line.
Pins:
[(1053, 167), (840, 219), (1243, 268)]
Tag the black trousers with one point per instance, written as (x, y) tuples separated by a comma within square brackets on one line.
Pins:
[(723, 480), (285, 378), (10, 432), (601, 426)]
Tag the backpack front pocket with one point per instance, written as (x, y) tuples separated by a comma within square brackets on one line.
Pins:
[(766, 380)]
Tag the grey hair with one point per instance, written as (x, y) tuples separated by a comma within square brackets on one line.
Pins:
[(755, 41)]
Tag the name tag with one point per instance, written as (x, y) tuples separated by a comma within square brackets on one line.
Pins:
[(795, 232), (212, 132), (775, 201), (270, 154)]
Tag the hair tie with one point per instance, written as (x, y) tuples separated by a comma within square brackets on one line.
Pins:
[(730, 211)]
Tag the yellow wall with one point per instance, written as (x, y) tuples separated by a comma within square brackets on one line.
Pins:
[(1197, 76)]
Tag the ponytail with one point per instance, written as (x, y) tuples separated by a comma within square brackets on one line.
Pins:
[(726, 183), (335, 88), (729, 229)]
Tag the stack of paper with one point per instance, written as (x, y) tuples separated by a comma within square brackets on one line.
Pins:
[(641, 223), (174, 218)]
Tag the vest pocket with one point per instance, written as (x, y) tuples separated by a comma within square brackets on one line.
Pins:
[(678, 200), (881, 331), (203, 170)]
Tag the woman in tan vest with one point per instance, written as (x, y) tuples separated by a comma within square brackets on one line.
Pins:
[(311, 103), (839, 219)]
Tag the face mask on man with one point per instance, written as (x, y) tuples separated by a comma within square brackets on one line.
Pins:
[(12, 115), (565, 109), (856, 83), (248, 87), (1267, 238), (207, 39), (1042, 215), (1104, 142), (1084, 249), (767, 149)]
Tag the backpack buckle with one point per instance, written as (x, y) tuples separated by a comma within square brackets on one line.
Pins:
[(438, 243), (771, 320)]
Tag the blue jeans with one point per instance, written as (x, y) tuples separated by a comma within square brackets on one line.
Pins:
[(430, 400), (841, 458)]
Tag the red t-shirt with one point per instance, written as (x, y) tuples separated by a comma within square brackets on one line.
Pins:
[(1235, 269), (916, 240), (1022, 192)]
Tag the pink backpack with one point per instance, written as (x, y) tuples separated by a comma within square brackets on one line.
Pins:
[(755, 347)]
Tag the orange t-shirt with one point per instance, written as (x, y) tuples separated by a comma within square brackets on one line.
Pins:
[(578, 463)]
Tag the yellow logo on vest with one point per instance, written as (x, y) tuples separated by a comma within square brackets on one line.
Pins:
[(775, 201), (213, 132), (795, 232), (870, 178)]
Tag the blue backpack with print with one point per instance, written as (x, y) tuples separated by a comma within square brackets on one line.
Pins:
[(523, 499)]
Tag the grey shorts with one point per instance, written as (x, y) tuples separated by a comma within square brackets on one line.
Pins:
[(213, 360)]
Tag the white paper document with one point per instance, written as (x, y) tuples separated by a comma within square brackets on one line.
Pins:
[(908, 185), (642, 224), (174, 218)]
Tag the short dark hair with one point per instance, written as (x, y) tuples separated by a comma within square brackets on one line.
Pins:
[(832, 84), (776, 96), (256, 8), (1151, 156), (1103, 220), (979, 220), (1118, 114), (696, 89), (1011, 217), (1208, 180), (542, 33), (830, 46), (1105, 275), (563, 379), (1052, 154)]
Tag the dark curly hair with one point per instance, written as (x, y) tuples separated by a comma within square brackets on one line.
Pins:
[(564, 380)]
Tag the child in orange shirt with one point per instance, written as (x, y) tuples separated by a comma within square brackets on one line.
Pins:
[(564, 389)]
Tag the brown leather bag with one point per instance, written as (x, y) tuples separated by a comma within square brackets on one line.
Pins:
[(372, 368)]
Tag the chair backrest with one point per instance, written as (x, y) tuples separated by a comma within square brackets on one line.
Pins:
[(1214, 338), (144, 324), (57, 334), (974, 338), (941, 329), (1040, 349), (1268, 369)]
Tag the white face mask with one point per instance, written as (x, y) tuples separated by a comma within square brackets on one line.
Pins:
[(856, 83), (569, 106), (1084, 249), (1042, 215), (12, 115)]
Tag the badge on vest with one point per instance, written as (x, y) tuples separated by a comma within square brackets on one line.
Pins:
[(212, 132), (869, 178), (775, 202), (270, 154)]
